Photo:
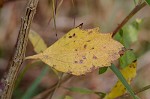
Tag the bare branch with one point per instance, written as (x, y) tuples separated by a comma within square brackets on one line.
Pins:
[(132, 13), (20, 49)]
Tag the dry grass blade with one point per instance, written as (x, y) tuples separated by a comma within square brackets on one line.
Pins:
[(54, 14)]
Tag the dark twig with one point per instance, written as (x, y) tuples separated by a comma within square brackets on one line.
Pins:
[(45, 93), (132, 13), (57, 86), (135, 92), (142, 89), (20, 49)]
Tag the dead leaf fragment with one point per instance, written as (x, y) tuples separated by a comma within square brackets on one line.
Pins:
[(37, 42)]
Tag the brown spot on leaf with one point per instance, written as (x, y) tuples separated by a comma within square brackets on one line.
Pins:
[(88, 40), (73, 34), (76, 62), (54, 65), (92, 48), (70, 37), (121, 52), (90, 32), (94, 57), (83, 57), (85, 46), (81, 61), (92, 68), (80, 26), (132, 66), (134, 60), (76, 50)]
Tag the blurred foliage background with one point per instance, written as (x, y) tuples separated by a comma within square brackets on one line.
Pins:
[(106, 14)]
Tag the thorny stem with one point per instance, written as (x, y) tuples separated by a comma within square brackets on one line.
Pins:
[(20, 49), (131, 14)]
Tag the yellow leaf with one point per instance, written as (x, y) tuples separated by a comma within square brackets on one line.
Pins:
[(81, 51), (68, 97), (37, 42), (129, 73)]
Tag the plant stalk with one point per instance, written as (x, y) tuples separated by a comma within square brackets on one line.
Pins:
[(131, 14), (20, 49)]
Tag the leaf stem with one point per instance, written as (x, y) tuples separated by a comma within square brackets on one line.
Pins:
[(131, 14)]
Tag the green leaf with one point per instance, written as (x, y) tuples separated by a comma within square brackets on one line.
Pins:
[(81, 90), (134, 2), (119, 36), (148, 1), (129, 33), (102, 70), (123, 80), (127, 58), (127, 36), (32, 89)]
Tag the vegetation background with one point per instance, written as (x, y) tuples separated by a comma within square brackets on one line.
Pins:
[(106, 14)]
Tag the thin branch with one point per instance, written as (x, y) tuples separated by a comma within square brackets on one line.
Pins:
[(45, 93), (57, 86), (136, 92), (142, 89), (74, 12), (54, 8), (20, 49), (131, 14)]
